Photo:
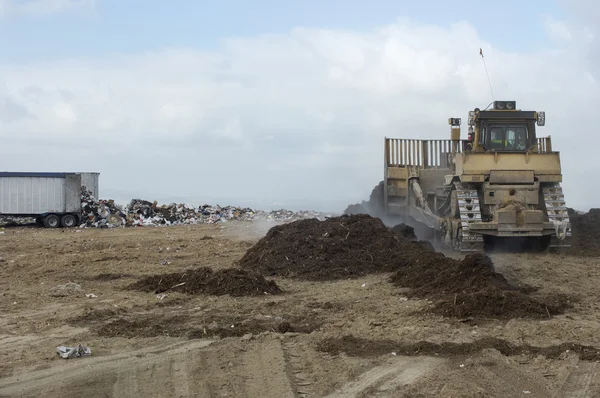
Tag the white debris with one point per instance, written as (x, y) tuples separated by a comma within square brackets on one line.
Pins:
[(73, 352)]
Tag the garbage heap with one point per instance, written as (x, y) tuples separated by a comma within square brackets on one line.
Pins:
[(100, 213), (107, 214)]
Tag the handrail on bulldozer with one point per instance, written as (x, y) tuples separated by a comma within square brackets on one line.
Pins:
[(420, 153), (401, 152)]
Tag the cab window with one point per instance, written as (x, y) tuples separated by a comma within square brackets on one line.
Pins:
[(507, 138)]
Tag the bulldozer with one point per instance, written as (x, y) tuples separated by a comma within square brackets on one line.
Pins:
[(500, 183)]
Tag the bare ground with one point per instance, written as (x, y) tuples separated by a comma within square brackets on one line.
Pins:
[(184, 345)]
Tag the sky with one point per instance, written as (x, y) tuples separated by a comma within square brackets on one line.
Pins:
[(281, 103)]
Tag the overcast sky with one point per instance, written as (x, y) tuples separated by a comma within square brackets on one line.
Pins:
[(271, 100)]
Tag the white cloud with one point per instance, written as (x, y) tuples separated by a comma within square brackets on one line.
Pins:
[(294, 115), (557, 30), (42, 7)]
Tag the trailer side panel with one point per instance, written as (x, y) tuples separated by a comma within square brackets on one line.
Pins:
[(32, 195)]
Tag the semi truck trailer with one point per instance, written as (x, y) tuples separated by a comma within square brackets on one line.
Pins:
[(53, 199)]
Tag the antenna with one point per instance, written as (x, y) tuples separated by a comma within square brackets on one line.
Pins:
[(486, 73)]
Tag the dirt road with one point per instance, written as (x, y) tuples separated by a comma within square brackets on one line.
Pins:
[(352, 337)]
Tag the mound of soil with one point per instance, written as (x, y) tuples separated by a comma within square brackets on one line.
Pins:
[(349, 246), (406, 231), (235, 282), (471, 287), (355, 245), (586, 233), (359, 347)]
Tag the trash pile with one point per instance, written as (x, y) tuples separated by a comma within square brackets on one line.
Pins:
[(107, 214), (203, 280), (100, 213), (355, 245)]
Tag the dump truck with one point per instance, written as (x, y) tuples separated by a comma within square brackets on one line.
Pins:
[(53, 199), (501, 182)]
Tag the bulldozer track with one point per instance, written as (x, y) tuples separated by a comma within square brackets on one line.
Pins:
[(556, 208), (470, 211)]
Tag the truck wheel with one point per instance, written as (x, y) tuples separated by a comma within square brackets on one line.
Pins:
[(52, 221), (68, 221)]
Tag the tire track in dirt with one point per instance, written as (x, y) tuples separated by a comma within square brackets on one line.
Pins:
[(296, 371), (118, 372), (188, 368), (388, 377), (583, 382)]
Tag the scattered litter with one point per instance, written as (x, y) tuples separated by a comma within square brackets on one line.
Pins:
[(363, 285), (165, 262), (461, 365), (73, 352), (161, 296), (394, 354), (90, 295), (526, 392)]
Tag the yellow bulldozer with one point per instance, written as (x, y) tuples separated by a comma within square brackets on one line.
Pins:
[(501, 182)]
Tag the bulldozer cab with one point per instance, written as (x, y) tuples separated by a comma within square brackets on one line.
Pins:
[(504, 128)]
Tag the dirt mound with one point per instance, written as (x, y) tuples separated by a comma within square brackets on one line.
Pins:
[(360, 347), (235, 282), (340, 247), (471, 287), (406, 231), (586, 233), (351, 246)]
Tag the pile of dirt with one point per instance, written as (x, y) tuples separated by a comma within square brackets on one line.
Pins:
[(359, 347), (471, 288), (586, 233), (406, 231), (349, 246), (203, 280)]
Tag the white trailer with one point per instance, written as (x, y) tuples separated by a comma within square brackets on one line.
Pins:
[(53, 199)]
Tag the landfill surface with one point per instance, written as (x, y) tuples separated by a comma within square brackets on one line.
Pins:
[(344, 306)]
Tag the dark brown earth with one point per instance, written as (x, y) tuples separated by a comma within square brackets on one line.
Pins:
[(586, 233), (355, 245), (337, 248), (406, 231), (360, 347), (204, 280), (181, 326), (471, 287)]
